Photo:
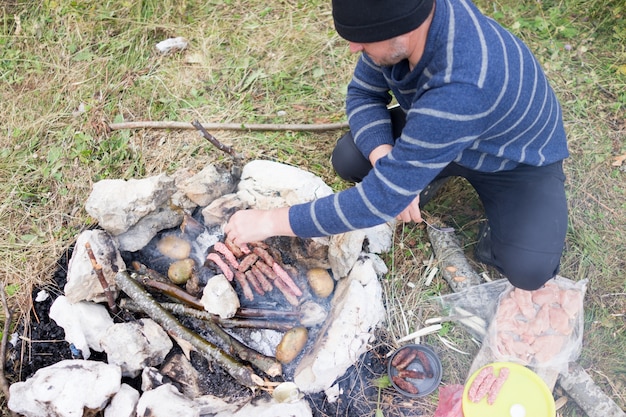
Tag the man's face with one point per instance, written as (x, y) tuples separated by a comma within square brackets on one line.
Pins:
[(384, 53)]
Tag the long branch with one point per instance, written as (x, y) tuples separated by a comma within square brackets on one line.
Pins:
[(5, 337), (243, 374), (230, 126)]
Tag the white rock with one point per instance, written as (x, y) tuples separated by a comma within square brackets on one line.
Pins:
[(118, 204), (166, 401), (356, 309), (82, 282), (84, 323), (123, 403), (271, 408), (136, 345), (65, 389), (219, 297), (343, 251), (267, 184), (207, 185), (141, 233), (380, 238)]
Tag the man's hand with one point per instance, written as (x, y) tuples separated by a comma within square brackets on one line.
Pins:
[(412, 212), (256, 225)]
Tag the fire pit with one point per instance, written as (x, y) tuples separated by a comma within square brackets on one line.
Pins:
[(235, 322)]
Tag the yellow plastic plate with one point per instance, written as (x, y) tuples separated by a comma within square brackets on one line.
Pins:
[(523, 394)]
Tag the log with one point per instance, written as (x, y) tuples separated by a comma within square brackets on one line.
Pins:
[(456, 270), (594, 402), (242, 374)]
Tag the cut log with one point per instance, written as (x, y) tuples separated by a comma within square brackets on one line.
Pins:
[(579, 385), (456, 270)]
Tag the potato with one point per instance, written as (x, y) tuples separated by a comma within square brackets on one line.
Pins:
[(180, 271), (174, 247), (291, 344), (320, 282)]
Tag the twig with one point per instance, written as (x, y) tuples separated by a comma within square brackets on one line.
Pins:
[(243, 374), (231, 126), (219, 145), (108, 291), (5, 337)]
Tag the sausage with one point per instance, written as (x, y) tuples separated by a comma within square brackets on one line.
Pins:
[(497, 385), (289, 296), (428, 370), (265, 284), (399, 356), (247, 291), (476, 383), (405, 385), (215, 258), (230, 257), (409, 373), (236, 250), (284, 276), (484, 387), (406, 361), (247, 262), (266, 269), (256, 286), (265, 255)]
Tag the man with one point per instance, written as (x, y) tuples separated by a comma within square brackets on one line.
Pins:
[(473, 102)]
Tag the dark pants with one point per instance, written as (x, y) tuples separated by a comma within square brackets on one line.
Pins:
[(526, 209)]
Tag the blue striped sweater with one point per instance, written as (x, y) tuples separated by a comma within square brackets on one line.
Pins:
[(477, 97)]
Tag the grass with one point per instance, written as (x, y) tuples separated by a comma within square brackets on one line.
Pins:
[(67, 68)]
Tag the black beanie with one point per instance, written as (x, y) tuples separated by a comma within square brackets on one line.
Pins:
[(365, 21)]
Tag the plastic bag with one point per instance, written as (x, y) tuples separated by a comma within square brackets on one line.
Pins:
[(450, 401), (474, 307), (542, 328)]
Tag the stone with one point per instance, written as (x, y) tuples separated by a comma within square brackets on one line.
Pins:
[(220, 209), (219, 297), (271, 408), (65, 389), (267, 184), (207, 185), (123, 403), (343, 251), (141, 233), (180, 370), (82, 282), (136, 345), (119, 204), (84, 323), (357, 308), (166, 401)]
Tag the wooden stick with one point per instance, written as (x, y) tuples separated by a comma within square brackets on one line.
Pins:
[(242, 374), (108, 290), (235, 322), (230, 126), (5, 337)]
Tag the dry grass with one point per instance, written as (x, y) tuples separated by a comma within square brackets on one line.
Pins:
[(68, 68)]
